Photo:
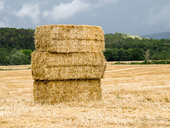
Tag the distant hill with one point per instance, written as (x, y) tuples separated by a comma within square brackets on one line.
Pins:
[(165, 35)]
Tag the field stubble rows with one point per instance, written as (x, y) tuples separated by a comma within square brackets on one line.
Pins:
[(133, 96)]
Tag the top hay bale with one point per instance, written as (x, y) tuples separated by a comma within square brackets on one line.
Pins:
[(69, 38)]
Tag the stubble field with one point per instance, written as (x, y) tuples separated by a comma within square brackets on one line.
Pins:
[(133, 96)]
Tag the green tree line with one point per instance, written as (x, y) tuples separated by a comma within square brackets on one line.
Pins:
[(122, 47), (16, 46), (15, 57), (11, 38)]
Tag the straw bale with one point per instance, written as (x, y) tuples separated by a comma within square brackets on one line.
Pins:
[(47, 59), (42, 36), (69, 32), (66, 46), (69, 38), (67, 91), (53, 66), (64, 73)]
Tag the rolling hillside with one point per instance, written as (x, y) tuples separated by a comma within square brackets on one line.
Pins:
[(165, 35)]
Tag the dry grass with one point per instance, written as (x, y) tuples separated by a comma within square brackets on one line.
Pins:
[(16, 67), (133, 96), (128, 62)]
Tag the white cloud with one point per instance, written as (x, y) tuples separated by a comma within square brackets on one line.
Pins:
[(30, 10), (1, 5), (2, 24), (65, 11), (158, 16)]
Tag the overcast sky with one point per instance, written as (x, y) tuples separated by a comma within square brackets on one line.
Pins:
[(137, 17)]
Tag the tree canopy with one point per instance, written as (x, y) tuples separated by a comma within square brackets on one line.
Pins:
[(129, 48)]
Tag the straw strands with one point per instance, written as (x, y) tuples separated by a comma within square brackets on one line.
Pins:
[(69, 38), (40, 59), (66, 46), (52, 66), (52, 92), (69, 32), (65, 73)]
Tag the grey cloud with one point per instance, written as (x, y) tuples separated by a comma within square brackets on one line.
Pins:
[(110, 1), (2, 3), (2, 24), (6, 19), (102, 2), (158, 16)]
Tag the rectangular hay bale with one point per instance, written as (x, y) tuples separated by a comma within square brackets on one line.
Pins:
[(61, 32), (69, 38), (52, 92), (48, 59), (53, 66), (65, 73), (66, 46)]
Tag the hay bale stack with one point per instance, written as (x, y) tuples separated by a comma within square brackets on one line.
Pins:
[(68, 64)]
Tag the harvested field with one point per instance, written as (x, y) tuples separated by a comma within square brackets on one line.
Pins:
[(16, 67), (128, 62), (133, 96)]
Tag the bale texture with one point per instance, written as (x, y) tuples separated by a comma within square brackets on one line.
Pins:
[(53, 66), (66, 46), (65, 73), (77, 32), (69, 38), (40, 59), (52, 92)]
